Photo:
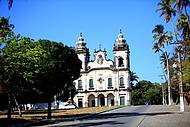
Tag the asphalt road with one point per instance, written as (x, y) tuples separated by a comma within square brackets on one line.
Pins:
[(131, 116)]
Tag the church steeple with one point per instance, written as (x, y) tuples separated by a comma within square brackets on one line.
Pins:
[(82, 52), (121, 52), (81, 44), (120, 42)]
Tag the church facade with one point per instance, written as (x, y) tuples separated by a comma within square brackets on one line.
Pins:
[(103, 82)]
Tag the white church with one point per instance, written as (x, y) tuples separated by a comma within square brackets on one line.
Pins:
[(103, 82)]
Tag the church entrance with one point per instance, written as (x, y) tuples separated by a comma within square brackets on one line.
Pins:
[(101, 100), (91, 100), (110, 99), (80, 103)]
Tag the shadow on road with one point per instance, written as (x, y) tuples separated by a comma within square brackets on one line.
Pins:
[(105, 117), (117, 115), (91, 124)]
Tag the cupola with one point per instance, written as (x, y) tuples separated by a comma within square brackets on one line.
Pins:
[(120, 42), (81, 44)]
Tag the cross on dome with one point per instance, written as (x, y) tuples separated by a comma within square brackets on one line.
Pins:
[(120, 36), (100, 46), (80, 37), (80, 34), (81, 44), (120, 42)]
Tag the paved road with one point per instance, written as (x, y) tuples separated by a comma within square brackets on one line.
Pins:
[(133, 116), (124, 117)]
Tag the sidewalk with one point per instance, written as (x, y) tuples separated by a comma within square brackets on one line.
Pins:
[(166, 116)]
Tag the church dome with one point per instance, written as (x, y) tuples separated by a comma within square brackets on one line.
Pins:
[(120, 42), (81, 44)]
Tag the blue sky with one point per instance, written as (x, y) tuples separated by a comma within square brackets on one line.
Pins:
[(100, 22)]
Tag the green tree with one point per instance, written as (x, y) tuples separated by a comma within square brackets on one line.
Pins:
[(133, 78), (160, 38), (5, 29), (176, 13), (20, 66), (153, 94), (6, 35), (59, 70), (45, 67), (146, 92)]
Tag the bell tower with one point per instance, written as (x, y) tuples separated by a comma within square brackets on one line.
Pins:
[(122, 67), (121, 52), (82, 52)]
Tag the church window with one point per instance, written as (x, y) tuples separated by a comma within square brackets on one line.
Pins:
[(121, 82), (91, 83), (79, 84), (109, 82), (120, 60)]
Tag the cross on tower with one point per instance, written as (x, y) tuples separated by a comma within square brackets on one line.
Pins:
[(120, 31), (99, 46), (80, 34)]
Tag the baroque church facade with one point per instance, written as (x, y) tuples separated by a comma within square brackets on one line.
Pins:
[(103, 82)]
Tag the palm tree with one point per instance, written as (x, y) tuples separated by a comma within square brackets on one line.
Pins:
[(164, 60), (183, 26), (159, 36), (133, 78), (10, 3), (5, 27), (183, 4), (170, 8), (166, 7)]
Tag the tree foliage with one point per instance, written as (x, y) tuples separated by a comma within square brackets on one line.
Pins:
[(39, 69), (10, 3), (133, 78), (146, 92), (175, 12)]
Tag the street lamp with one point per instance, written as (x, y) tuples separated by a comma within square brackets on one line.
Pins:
[(181, 82)]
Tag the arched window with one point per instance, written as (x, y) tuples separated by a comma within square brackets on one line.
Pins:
[(121, 82), (109, 82), (120, 62), (79, 84), (91, 83)]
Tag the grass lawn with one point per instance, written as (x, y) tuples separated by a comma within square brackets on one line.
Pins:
[(38, 115)]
